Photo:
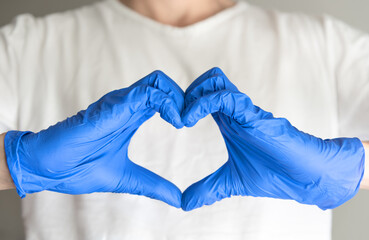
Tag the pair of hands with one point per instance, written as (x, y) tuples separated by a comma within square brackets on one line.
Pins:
[(268, 157)]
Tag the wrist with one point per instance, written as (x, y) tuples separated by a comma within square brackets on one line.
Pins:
[(6, 181), (365, 181)]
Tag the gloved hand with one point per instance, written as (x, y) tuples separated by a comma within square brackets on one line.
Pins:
[(268, 157), (88, 152)]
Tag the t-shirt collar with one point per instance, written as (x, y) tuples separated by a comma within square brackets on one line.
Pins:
[(209, 22)]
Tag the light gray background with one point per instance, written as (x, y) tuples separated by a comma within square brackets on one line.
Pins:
[(350, 221)]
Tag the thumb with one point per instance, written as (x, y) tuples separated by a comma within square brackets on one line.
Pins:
[(210, 189), (141, 181)]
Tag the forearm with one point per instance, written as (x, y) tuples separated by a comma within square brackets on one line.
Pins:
[(6, 181), (365, 182)]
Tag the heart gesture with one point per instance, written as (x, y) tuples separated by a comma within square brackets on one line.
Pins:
[(268, 157)]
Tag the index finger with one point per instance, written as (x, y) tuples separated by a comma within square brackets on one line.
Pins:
[(211, 81), (159, 80)]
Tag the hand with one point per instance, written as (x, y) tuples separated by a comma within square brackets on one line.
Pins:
[(268, 157), (88, 152)]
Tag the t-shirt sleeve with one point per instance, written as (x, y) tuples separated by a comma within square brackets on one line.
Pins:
[(349, 55), (12, 38)]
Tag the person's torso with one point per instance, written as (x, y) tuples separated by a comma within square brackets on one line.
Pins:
[(83, 54)]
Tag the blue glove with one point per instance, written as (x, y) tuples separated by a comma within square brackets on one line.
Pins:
[(268, 157), (88, 152)]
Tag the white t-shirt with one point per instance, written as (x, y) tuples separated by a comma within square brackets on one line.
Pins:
[(313, 71)]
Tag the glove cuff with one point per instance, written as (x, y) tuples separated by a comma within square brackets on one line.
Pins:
[(11, 145), (351, 172)]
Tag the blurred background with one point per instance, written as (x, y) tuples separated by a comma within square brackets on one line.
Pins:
[(350, 221)]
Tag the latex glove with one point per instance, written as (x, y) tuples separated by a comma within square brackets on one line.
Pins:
[(88, 152), (268, 157)]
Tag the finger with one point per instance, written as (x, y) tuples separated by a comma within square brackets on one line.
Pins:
[(235, 105), (163, 82), (211, 81), (141, 181), (134, 105), (212, 188), (165, 105)]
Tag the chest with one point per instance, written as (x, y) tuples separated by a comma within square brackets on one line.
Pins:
[(287, 80)]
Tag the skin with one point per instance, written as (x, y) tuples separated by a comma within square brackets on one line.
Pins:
[(365, 182), (6, 182), (178, 13)]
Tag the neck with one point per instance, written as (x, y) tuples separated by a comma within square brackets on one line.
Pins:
[(179, 13)]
